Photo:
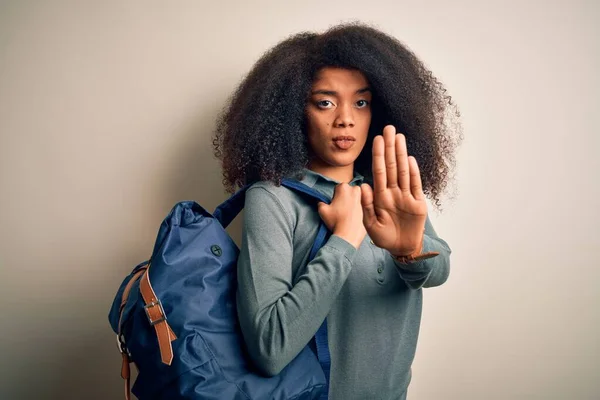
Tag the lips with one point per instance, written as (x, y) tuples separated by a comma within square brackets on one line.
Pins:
[(344, 142)]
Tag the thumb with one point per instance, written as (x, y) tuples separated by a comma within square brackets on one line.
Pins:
[(323, 209), (366, 201), (325, 212)]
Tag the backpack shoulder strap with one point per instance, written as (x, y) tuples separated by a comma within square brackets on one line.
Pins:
[(230, 208), (302, 188)]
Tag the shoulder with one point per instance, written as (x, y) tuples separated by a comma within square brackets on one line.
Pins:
[(269, 192), (266, 197)]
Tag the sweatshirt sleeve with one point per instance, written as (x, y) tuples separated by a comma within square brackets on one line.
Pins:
[(279, 318), (432, 271)]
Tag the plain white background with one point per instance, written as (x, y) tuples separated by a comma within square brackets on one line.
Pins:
[(106, 114)]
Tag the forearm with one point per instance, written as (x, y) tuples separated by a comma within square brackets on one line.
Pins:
[(279, 311), (278, 322)]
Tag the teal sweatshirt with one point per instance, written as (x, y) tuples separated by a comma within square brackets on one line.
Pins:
[(372, 303)]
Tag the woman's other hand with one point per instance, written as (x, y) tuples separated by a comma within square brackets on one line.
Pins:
[(344, 216)]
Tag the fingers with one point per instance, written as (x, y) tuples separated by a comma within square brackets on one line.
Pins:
[(344, 216), (391, 167), (390, 161), (345, 189), (323, 210), (321, 206), (402, 161), (369, 216), (416, 186), (378, 167), (345, 196), (326, 214)]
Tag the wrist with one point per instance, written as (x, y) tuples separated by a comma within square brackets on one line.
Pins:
[(409, 254), (415, 256), (354, 238)]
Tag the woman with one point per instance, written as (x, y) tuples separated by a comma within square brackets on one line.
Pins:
[(341, 111)]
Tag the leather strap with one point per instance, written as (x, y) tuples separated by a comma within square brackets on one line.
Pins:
[(126, 291), (412, 259), (126, 374), (125, 370), (158, 319)]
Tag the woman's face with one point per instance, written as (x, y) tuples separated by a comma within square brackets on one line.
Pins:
[(338, 117)]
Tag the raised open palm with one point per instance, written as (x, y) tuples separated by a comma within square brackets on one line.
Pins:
[(394, 210)]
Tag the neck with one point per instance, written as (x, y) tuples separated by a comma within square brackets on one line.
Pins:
[(342, 174)]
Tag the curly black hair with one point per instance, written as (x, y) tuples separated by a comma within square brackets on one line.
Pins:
[(261, 135)]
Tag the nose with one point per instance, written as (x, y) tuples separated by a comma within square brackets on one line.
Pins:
[(345, 117)]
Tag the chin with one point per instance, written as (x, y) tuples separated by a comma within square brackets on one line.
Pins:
[(342, 162)]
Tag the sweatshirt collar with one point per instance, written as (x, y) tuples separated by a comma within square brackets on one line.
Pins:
[(324, 184)]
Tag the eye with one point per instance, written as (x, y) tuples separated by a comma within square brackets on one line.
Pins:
[(324, 104), (362, 103)]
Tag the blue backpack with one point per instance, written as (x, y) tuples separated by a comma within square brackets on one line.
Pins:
[(176, 320)]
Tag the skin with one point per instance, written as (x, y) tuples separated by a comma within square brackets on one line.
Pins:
[(394, 211), (339, 105)]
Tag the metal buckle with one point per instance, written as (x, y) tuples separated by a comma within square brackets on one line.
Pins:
[(162, 317), (121, 346)]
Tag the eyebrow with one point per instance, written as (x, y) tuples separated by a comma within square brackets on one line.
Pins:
[(334, 93)]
